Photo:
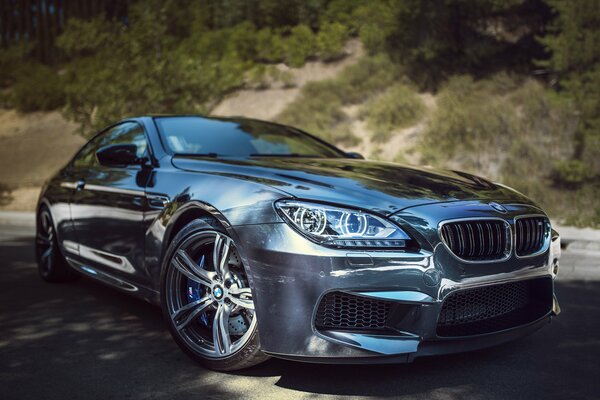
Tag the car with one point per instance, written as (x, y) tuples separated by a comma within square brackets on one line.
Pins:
[(258, 239)]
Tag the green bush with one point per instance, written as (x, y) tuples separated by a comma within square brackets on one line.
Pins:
[(258, 77), (473, 118), (317, 111), (319, 107), (399, 107), (516, 131), (270, 46), (300, 45), (284, 77), (330, 40), (37, 88), (366, 78), (571, 173), (376, 21)]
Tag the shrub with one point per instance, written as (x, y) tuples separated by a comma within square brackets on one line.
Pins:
[(258, 77), (299, 46), (330, 40), (318, 110), (571, 173), (399, 107), (367, 77), (376, 21), (270, 46), (37, 88)]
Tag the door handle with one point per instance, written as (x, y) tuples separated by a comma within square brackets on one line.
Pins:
[(157, 201), (80, 184)]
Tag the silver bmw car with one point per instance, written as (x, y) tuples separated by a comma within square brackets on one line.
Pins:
[(260, 240)]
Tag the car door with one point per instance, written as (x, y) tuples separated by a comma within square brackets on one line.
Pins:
[(107, 207)]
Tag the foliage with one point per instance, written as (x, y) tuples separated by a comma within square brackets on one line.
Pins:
[(571, 173), (270, 46), (11, 59), (516, 131), (398, 107), (437, 38), (318, 109), (330, 40), (574, 43), (37, 87), (493, 126), (299, 46), (376, 22), (365, 78)]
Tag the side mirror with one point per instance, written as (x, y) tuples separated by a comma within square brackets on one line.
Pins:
[(355, 155), (118, 155)]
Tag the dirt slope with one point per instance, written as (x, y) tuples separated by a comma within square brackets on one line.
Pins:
[(267, 103), (32, 148)]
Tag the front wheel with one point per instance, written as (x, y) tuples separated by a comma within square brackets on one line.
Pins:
[(207, 301)]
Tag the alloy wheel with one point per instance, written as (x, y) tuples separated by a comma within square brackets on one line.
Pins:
[(208, 296), (45, 247)]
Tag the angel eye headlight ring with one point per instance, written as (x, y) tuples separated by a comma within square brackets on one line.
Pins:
[(341, 226)]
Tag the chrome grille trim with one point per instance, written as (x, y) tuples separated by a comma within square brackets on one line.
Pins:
[(532, 235), (477, 240)]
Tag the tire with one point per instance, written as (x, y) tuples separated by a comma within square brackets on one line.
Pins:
[(206, 299), (52, 265)]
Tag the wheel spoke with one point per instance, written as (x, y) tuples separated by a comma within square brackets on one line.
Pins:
[(44, 240), (221, 253), (190, 269), (47, 253), (241, 297), (196, 307), (221, 339), (45, 223)]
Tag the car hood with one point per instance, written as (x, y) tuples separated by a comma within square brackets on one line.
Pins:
[(377, 186)]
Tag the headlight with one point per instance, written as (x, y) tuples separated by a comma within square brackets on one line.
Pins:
[(340, 226)]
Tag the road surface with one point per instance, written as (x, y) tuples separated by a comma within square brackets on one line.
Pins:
[(84, 341)]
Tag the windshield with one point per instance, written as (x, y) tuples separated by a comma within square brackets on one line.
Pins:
[(239, 138)]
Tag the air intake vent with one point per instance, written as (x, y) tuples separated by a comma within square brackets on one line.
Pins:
[(530, 233), (343, 311), (477, 240), (494, 308)]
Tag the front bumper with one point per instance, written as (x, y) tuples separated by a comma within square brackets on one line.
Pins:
[(290, 275)]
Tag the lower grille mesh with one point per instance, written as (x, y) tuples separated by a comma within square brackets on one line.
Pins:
[(343, 311), (494, 308)]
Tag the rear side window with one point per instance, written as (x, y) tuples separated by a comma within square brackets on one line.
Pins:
[(125, 133)]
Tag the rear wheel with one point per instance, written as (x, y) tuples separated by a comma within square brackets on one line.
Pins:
[(207, 301), (52, 266)]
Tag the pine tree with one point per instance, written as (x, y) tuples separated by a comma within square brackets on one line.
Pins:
[(573, 39)]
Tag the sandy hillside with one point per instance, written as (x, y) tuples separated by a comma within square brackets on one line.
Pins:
[(32, 148), (267, 103)]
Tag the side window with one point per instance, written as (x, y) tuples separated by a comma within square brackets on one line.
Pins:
[(125, 133), (87, 155)]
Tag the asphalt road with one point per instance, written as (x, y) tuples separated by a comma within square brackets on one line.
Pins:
[(84, 340)]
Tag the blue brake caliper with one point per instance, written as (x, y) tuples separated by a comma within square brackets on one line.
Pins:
[(195, 293)]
